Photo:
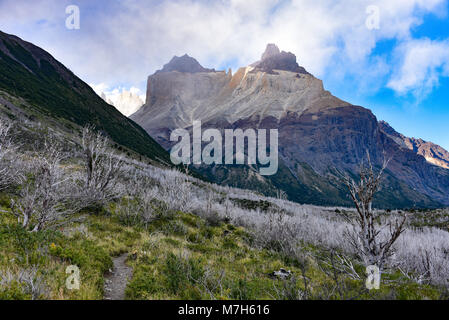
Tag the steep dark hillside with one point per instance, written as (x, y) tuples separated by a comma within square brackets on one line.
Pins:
[(31, 73)]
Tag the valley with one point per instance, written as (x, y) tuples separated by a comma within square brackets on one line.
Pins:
[(83, 186)]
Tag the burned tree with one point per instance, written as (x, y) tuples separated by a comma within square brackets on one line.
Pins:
[(372, 241), (45, 199), (102, 168), (8, 174)]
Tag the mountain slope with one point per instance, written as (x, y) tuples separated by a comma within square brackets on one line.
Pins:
[(31, 73), (319, 134), (432, 152)]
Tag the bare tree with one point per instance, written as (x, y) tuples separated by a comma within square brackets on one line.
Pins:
[(45, 199), (5, 141), (279, 231), (175, 192), (138, 208), (28, 279), (8, 173), (102, 168), (371, 244), (338, 268), (210, 282)]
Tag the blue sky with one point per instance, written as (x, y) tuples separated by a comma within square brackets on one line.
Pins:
[(423, 116), (399, 70)]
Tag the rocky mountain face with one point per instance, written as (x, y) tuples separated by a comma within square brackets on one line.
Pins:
[(432, 152), (127, 102), (32, 74), (176, 98), (274, 59), (319, 135)]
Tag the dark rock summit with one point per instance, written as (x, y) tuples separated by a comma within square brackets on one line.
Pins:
[(32, 74), (184, 64), (274, 59), (271, 51)]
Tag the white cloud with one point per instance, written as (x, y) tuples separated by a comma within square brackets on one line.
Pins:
[(124, 42), (99, 88), (421, 63)]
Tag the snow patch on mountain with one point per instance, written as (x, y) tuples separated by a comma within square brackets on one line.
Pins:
[(124, 100)]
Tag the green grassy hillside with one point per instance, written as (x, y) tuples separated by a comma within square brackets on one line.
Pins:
[(180, 256)]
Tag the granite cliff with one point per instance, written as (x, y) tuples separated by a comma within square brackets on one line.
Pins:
[(319, 134)]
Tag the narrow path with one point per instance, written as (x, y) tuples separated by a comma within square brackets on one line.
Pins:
[(116, 281)]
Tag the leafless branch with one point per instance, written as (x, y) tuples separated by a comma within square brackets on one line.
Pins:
[(366, 236)]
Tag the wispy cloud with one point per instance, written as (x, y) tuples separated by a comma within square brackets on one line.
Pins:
[(124, 42), (421, 63)]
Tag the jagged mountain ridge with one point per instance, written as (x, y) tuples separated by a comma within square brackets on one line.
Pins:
[(432, 152), (127, 102), (273, 59), (184, 64), (29, 72), (176, 98), (319, 134)]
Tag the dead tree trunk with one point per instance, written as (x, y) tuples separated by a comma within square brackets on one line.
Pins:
[(102, 167), (373, 247)]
